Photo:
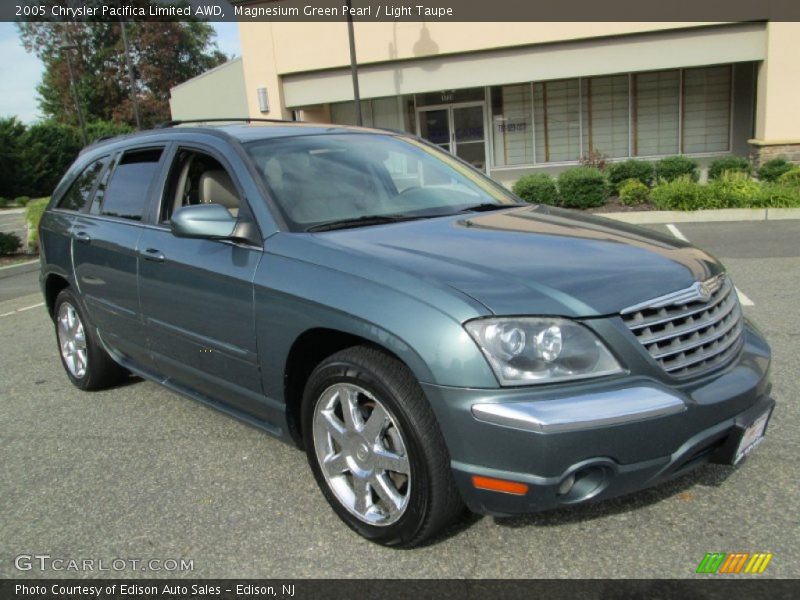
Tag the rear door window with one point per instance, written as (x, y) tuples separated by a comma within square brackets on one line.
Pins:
[(80, 192), (126, 193)]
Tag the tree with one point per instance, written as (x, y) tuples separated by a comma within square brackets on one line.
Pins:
[(163, 55), (11, 134)]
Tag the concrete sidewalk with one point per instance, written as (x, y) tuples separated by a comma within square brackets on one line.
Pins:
[(704, 216)]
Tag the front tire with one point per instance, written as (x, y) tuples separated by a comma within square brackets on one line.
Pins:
[(87, 364), (375, 448)]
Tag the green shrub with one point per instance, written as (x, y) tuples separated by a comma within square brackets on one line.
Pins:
[(791, 177), (33, 214), (4, 202), (736, 164), (539, 188), (583, 187), (22, 201), (9, 243), (640, 170), (633, 191), (733, 190), (682, 193), (772, 169), (673, 167), (777, 195)]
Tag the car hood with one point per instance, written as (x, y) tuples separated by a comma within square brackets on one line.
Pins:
[(529, 260)]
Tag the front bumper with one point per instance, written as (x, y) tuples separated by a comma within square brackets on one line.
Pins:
[(597, 431)]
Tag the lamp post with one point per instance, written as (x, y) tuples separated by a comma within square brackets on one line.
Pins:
[(134, 99), (354, 65), (67, 50)]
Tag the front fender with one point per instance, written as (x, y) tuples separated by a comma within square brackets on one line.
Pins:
[(293, 296)]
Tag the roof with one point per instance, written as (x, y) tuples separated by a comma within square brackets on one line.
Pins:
[(242, 132)]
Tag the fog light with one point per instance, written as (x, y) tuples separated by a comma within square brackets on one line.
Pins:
[(566, 485)]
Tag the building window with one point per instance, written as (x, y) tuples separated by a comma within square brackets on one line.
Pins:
[(557, 119), (706, 109), (344, 113), (656, 109), (605, 115), (512, 121)]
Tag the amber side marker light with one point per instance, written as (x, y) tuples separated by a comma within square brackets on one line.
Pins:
[(499, 485)]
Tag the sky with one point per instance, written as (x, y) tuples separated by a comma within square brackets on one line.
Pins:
[(21, 72)]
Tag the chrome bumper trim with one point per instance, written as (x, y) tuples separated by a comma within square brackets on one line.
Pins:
[(588, 411)]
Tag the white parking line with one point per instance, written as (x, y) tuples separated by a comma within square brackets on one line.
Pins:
[(676, 232), (743, 299), (23, 309)]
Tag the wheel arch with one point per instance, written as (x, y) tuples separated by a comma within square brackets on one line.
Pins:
[(53, 286), (316, 344)]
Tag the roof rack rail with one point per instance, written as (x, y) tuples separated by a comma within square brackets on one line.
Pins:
[(167, 124)]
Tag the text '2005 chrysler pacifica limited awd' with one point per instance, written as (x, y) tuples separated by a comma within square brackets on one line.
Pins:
[(431, 341)]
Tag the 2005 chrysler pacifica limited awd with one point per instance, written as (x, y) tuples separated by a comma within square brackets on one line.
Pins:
[(428, 339)]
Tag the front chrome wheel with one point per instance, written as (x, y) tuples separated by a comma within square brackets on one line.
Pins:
[(72, 340), (362, 454)]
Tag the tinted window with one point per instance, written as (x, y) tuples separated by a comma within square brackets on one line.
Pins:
[(126, 193), (80, 192)]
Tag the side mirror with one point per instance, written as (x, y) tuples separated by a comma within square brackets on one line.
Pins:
[(211, 221)]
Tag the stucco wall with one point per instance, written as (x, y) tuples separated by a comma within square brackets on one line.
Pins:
[(217, 93)]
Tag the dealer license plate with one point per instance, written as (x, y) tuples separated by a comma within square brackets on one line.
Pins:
[(752, 438)]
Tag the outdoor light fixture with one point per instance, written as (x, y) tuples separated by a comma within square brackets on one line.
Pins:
[(263, 99)]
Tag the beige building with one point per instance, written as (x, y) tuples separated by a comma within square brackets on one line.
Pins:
[(514, 98)]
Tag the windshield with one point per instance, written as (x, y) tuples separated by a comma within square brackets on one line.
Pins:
[(333, 178)]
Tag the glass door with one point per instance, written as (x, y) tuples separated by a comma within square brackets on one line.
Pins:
[(457, 128), (468, 135), (434, 126)]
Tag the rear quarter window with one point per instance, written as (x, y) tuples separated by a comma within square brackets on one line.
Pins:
[(80, 192), (126, 193)]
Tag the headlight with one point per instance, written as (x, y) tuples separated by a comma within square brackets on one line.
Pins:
[(527, 350)]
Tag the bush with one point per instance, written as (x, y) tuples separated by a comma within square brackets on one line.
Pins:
[(633, 191), (4, 203), (22, 201), (640, 170), (33, 214), (583, 187), (733, 190), (594, 158), (9, 243), (674, 167), (682, 193), (539, 188), (736, 164), (791, 177), (777, 195), (773, 169)]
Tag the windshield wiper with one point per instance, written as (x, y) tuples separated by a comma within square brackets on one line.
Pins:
[(362, 222), (487, 206)]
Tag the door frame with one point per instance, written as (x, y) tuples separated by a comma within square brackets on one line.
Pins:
[(453, 143)]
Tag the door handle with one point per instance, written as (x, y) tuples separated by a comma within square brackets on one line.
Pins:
[(83, 237), (153, 254)]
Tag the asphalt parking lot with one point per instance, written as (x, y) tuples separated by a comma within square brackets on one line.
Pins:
[(139, 472)]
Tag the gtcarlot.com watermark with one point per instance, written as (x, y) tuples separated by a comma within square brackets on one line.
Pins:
[(46, 562)]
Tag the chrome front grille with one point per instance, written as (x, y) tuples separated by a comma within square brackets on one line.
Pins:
[(691, 331)]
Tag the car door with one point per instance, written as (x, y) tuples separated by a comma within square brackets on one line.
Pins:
[(197, 294), (105, 250)]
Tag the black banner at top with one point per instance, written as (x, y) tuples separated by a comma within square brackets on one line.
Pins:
[(400, 10)]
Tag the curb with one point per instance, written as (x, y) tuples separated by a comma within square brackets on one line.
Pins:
[(18, 269), (704, 216)]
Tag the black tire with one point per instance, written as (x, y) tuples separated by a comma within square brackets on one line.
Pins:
[(101, 371), (433, 498)]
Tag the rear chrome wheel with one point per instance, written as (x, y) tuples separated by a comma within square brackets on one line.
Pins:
[(362, 454), (87, 363), (72, 340)]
